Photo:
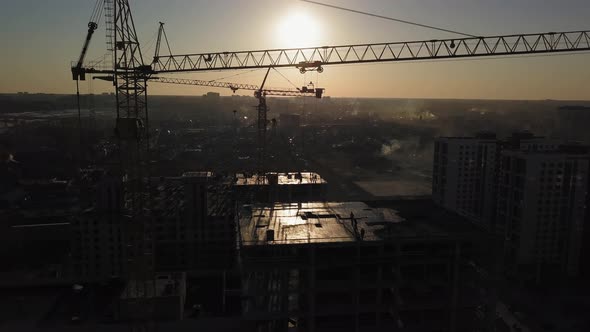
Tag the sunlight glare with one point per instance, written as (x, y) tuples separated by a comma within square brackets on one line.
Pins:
[(298, 29)]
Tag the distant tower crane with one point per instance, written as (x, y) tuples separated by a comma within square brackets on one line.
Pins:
[(284, 92), (304, 91), (259, 92)]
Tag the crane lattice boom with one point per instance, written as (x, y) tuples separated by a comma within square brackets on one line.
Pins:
[(315, 57), (305, 91)]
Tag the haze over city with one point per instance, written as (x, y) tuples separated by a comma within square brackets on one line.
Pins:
[(295, 166)]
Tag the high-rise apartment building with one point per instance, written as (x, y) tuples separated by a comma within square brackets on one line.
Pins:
[(99, 233), (464, 173), (193, 227), (531, 191), (541, 208), (466, 169)]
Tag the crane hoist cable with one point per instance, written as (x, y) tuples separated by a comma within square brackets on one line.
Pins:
[(79, 72), (150, 43), (296, 87), (234, 75), (97, 12), (388, 18), (162, 33)]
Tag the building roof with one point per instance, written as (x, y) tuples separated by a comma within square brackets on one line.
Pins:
[(561, 151), (197, 175), (491, 136), (323, 222), (290, 178)]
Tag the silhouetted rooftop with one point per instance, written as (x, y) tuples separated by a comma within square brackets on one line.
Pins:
[(291, 178), (321, 222)]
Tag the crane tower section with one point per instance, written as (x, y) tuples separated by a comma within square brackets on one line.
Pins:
[(130, 77)]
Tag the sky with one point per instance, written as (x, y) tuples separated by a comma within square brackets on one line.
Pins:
[(40, 39)]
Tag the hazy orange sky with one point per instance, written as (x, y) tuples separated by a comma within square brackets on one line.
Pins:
[(40, 39)]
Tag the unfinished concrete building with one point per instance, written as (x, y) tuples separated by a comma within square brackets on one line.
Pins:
[(194, 222), (165, 295), (280, 187), (99, 234), (349, 267), (194, 227)]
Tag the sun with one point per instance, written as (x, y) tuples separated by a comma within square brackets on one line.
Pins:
[(298, 29)]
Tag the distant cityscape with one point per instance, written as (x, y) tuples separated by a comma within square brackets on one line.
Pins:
[(374, 215)]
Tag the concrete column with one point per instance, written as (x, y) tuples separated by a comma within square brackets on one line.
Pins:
[(284, 297), (311, 289), (379, 285), (455, 286), (357, 286)]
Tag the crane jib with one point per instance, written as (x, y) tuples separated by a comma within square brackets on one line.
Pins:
[(315, 57)]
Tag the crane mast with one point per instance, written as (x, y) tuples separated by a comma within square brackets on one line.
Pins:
[(262, 109), (130, 77)]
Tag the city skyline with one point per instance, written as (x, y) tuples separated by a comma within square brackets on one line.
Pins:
[(41, 51)]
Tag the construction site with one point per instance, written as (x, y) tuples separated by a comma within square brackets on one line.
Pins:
[(259, 242), (346, 266)]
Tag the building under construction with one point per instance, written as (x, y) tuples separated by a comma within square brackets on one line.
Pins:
[(193, 227), (280, 187), (350, 267)]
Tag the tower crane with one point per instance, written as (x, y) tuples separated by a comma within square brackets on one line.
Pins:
[(130, 77), (316, 58), (260, 93), (284, 92), (131, 74)]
